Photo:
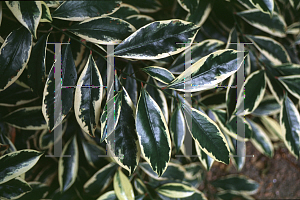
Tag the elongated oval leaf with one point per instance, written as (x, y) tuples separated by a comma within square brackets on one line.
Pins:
[(275, 26), (208, 136), (81, 10), (16, 163), (39, 190), (158, 96), (231, 96), (177, 127), (123, 187), (88, 97), (292, 84), (208, 71), (261, 140), (126, 150), (130, 83), (175, 190), (14, 188), (28, 13), (197, 51), (103, 30), (28, 118), (153, 133), (266, 6), (232, 195), (159, 73), (92, 153), (68, 78), (270, 48), (111, 195), (14, 55), (237, 183), (140, 186), (268, 106), (68, 165), (157, 40), (146, 6), (290, 126), (100, 180), (252, 94), (37, 66), (288, 69)]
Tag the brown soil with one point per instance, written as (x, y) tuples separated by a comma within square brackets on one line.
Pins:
[(279, 177)]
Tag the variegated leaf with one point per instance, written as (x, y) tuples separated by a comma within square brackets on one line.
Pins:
[(271, 49), (290, 126), (146, 6), (125, 11), (111, 195), (37, 65), (130, 83), (103, 30), (139, 21), (209, 71), (122, 186), (46, 139), (275, 86), (205, 159), (110, 111), (88, 97), (14, 189), (16, 163), (230, 127), (68, 78), (39, 191), (175, 190), (158, 96), (275, 26), (68, 165), (288, 69), (92, 153), (273, 128), (140, 186), (28, 118), (126, 151), (252, 94), (14, 55), (157, 40), (207, 135), (294, 28), (237, 161), (16, 96), (161, 74), (198, 11), (266, 6), (100, 180), (197, 51), (268, 106), (224, 195), (173, 171), (81, 10), (237, 183), (28, 13), (261, 140), (153, 133), (292, 84), (177, 127), (231, 97), (46, 15)]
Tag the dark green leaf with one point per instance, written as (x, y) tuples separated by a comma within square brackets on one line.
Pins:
[(81, 10), (139, 21), (28, 13), (14, 188), (292, 84), (16, 163), (14, 55), (153, 133), (88, 97), (122, 186), (103, 30), (266, 6), (161, 74), (177, 127), (157, 40), (68, 78)]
